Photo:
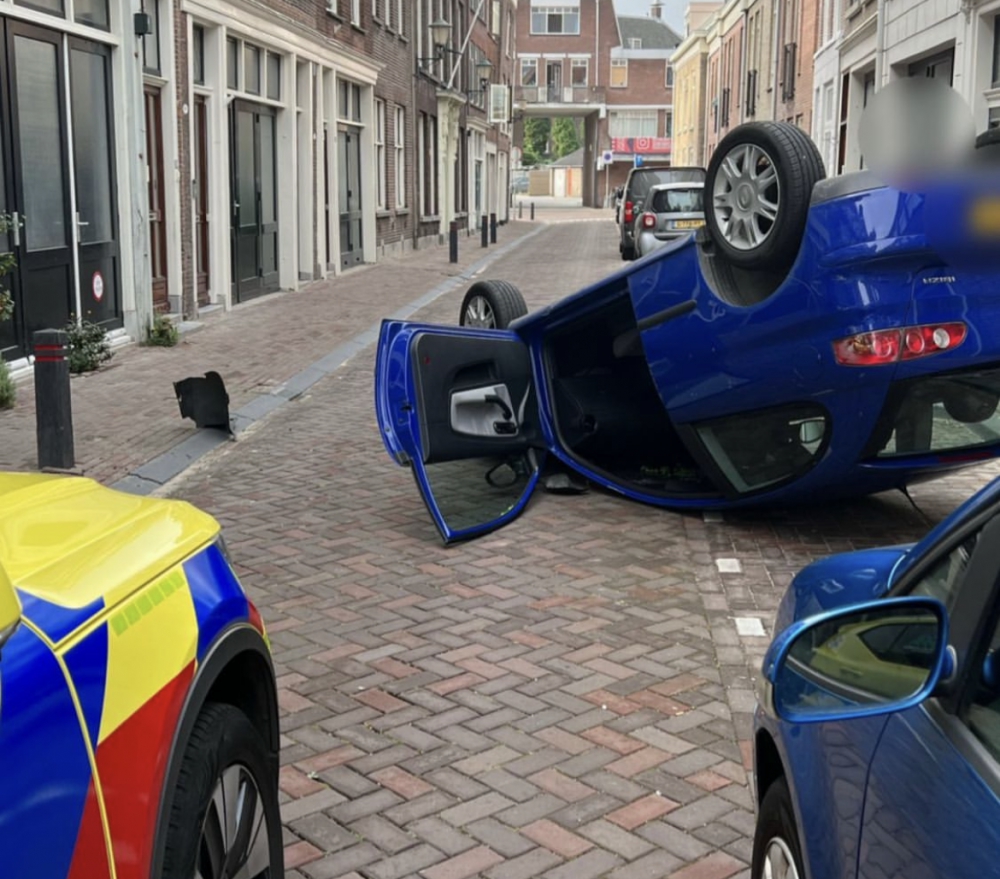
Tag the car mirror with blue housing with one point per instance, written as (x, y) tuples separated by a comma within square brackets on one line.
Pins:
[(874, 658)]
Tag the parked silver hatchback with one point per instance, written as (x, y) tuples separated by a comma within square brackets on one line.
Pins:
[(673, 210)]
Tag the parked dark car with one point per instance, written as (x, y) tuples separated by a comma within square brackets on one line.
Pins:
[(640, 181), (811, 341)]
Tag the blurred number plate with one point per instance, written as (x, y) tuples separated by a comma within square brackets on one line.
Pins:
[(688, 224), (985, 216)]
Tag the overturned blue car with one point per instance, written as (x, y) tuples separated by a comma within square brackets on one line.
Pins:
[(812, 341)]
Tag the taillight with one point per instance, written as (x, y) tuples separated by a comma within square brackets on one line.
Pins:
[(649, 221), (629, 212), (882, 347)]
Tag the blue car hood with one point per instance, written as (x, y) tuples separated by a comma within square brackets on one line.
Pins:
[(840, 580)]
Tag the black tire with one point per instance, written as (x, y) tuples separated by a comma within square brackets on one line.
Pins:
[(502, 301), (628, 252), (743, 235), (776, 825), (223, 739)]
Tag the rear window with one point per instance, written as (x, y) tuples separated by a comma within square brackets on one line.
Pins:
[(644, 180), (678, 201)]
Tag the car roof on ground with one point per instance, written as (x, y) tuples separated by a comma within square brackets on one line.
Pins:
[(677, 184)]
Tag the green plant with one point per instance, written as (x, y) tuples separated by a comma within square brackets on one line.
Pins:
[(88, 346), (162, 332), (8, 390)]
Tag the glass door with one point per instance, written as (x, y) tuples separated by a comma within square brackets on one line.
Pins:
[(351, 252), (154, 186)]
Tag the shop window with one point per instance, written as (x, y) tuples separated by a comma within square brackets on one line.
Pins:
[(198, 54), (251, 69), (529, 71), (92, 12), (151, 41), (619, 73), (579, 71), (555, 20)]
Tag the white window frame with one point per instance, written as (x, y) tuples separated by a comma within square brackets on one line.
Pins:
[(400, 146), (669, 77), (635, 42), (555, 9), (382, 194), (495, 19), (576, 64), (530, 62), (668, 123), (356, 12), (633, 123), (618, 64)]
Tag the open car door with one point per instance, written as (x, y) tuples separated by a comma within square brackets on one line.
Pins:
[(459, 407)]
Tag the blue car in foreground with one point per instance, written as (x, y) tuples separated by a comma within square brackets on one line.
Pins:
[(818, 338), (877, 734)]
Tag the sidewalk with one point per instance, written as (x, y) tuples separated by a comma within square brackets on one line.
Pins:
[(126, 414)]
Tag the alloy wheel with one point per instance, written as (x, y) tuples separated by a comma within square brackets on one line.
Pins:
[(778, 861), (746, 196), (235, 838), (479, 313)]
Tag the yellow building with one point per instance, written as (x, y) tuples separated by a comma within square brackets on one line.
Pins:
[(689, 62)]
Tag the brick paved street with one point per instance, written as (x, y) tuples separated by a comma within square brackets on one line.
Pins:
[(568, 697)]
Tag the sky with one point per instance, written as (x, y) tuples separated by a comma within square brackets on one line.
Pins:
[(673, 11)]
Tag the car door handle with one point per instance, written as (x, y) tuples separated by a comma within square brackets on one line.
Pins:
[(661, 317), (508, 413)]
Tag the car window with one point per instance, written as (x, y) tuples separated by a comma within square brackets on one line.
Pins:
[(983, 715), (678, 201), (945, 576)]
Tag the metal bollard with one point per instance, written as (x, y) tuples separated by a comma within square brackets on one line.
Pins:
[(493, 228), (484, 231), (453, 241), (520, 209), (53, 406), (532, 210)]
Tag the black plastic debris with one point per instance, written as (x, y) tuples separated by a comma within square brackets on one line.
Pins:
[(205, 401)]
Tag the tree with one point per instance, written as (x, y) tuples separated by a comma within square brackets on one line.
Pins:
[(565, 137), (536, 140)]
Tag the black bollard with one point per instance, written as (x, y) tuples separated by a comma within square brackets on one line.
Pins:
[(453, 241), (53, 406), (532, 210), (493, 228), (484, 231), (520, 209)]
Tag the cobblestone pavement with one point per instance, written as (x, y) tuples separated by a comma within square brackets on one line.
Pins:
[(567, 698)]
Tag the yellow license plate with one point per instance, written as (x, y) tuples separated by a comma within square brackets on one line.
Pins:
[(688, 224)]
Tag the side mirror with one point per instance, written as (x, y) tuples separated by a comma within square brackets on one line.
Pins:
[(876, 658), (10, 608)]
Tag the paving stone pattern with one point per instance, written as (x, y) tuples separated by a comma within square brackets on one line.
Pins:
[(567, 698)]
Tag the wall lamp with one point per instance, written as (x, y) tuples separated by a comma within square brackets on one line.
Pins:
[(483, 70), (440, 34)]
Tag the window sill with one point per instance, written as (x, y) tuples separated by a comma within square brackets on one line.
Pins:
[(402, 212), (382, 214), (433, 219), (358, 28), (336, 16)]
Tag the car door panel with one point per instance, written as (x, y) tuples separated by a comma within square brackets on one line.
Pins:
[(50, 820), (921, 792), (458, 406)]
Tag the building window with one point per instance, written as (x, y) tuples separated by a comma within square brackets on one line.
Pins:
[(380, 161), (495, 20), (668, 124), (996, 52), (232, 64), (198, 54), (619, 73), (427, 148), (555, 20), (751, 101), (151, 41), (399, 17), (529, 71), (726, 98), (92, 12), (579, 69), (788, 72), (633, 123), (994, 118), (377, 9), (400, 170), (273, 76), (669, 81), (356, 12), (251, 69), (635, 42)]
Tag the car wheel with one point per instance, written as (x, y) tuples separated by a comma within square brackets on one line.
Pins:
[(776, 851), (628, 252), (759, 184), (492, 305), (224, 818)]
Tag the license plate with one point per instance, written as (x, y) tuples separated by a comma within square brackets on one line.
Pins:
[(688, 224)]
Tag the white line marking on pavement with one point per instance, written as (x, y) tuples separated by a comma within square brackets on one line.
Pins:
[(750, 627), (729, 566)]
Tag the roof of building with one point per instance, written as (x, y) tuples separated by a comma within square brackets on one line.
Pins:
[(652, 32), (572, 160)]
